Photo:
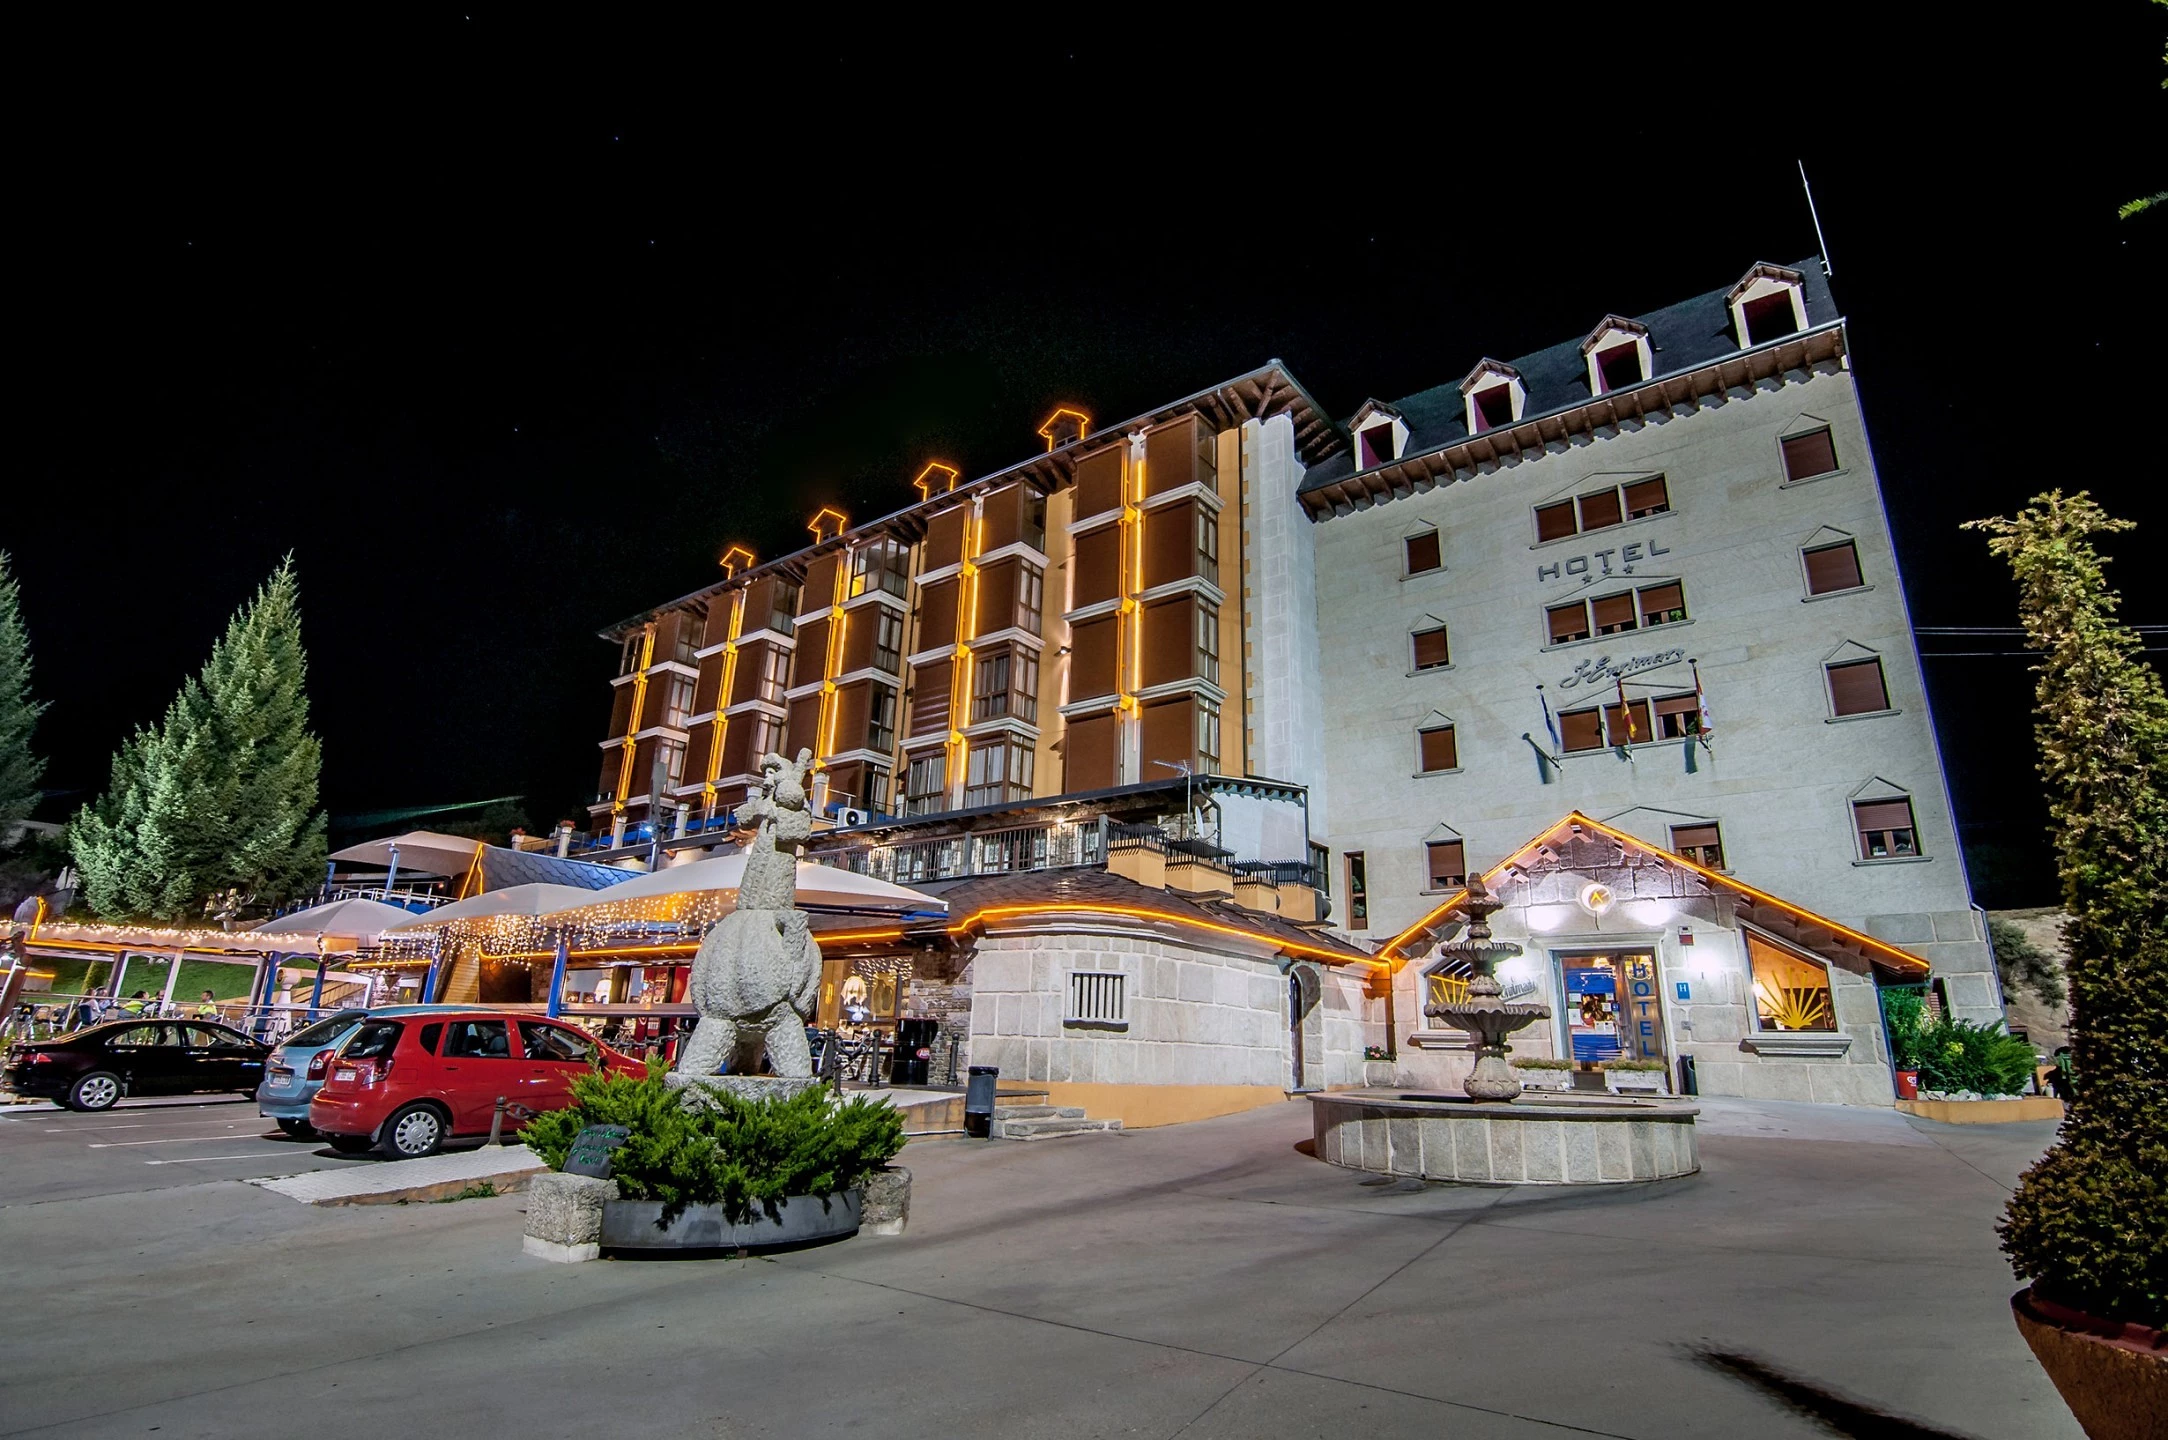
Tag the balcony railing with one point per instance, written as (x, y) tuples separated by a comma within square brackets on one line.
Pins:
[(1055, 846)]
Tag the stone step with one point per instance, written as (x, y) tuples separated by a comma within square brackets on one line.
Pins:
[(1006, 1113), (1052, 1127)]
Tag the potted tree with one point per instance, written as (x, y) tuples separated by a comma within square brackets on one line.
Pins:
[(2088, 1224), (1903, 1011)]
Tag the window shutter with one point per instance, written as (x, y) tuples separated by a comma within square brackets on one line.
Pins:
[(1423, 554), (1661, 604), (1580, 730), (1856, 688), (1833, 567), (1439, 752), (1568, 622), (1448, 865), (1614, 613), (1883, 814), (1598, 511), (1554, 522), (1430, 649), (1647, 497), (1806, 456), (1696, 835)]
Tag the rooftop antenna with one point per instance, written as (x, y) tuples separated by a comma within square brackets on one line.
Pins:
[(1828, 270)]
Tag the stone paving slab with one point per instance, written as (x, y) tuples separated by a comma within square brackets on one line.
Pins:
[(438, 1177)]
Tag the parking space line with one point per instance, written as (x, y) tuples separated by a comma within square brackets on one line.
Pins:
[(139, 1125), (169, 1140), (207, 1159)]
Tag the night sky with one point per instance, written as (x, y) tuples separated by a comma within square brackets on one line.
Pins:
[(505, 333)]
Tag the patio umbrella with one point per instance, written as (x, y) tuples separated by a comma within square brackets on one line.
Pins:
[(420, 852), (360, 921), (709, 888), (519, 901)]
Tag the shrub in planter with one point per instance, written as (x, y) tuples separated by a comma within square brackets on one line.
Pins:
[(1963, 1055), (1904, 1012), (2088, 1224), (1541, 1062), (740, 1154)]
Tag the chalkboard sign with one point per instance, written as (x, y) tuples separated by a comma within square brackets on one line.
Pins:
[(594, 1149)]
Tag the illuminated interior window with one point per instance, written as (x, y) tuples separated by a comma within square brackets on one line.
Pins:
[(1791, 992)]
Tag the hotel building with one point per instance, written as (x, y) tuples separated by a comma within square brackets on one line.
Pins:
[(1231, 698)]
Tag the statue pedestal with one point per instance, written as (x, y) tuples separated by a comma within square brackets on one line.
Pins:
[(694, 1089)]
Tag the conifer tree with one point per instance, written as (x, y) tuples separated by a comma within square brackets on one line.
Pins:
[(223, 792), (20, 768)]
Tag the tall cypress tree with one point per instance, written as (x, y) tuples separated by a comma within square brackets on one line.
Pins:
[(223, 792), (20, 769)]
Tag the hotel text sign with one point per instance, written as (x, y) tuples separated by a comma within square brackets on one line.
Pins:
[(1603, 667), (1581, 567)]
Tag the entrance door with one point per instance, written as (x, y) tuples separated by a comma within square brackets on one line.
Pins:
[(1614, 1005), (1294, 1020)]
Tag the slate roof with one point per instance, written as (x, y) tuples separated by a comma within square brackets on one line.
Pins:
[(1681, 337), (1087, 889)]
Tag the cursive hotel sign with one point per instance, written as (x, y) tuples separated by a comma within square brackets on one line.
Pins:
[(1603, 667), (1578, 567)]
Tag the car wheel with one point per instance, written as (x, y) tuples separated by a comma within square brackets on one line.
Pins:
[(411, 1133), (96, 1091), (297, 1128), (350, 1144)]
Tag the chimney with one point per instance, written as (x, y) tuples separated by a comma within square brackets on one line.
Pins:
[(564, 838), (936, 479), (1064, 427)]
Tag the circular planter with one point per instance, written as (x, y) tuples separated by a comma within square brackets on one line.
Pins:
[(637, 1225), (2113, 1376)]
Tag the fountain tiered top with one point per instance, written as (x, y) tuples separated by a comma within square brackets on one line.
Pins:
[(1483, 1015)]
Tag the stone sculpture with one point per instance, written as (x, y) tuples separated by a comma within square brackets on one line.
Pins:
[(1486, 1017), (757, 975)]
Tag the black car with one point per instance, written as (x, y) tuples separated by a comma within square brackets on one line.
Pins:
[(92, 1068)]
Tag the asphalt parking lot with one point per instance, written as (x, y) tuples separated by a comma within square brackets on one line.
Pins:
[(48, 1153)]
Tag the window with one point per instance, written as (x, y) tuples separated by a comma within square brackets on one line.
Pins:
[(1024, 701), (1677, 716), (628, 659), (1627, 724), (430, 1035), (925, 784), (678, 701), (1448, 864), (783, 610), (1431, 650), (469, 1040), (1208, 627), (692, 633), (1620, 366), (1615, 614), (672, 755), (1492, 407), (1423, 553), (1809, 455), (774, 675), (1207, 544), (376, 1039), (556, 1042), (998, 772), (1791, 992), (888, 641), (1568, 622), (1030, 593), (1601, 509), (767, 735), (880, 565), (876, 789), (1580, 730), (1096, 998), (990, 688), (1035, 524), (1856, 688), (1699, 843), (1662, 604), (1376, 442), (881, 718), (1770, 317), (140, 1035), (1436, 749), (1358, 892), (1831, 568), (1208, 737), (1885, 828)]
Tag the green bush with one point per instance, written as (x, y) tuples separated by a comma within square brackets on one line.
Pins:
[(1903, 1013), (1542, 1062), (741, 1154), (1963, 1055), (1633, 1063)]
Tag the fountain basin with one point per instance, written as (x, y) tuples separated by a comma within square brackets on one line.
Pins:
[(1557, 1140)]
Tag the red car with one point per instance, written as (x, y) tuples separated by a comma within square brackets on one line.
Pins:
[(407, 1085)]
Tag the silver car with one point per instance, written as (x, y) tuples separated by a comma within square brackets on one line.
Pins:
[(298, 1066)]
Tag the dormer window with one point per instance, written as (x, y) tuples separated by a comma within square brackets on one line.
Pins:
[(1495, 396), (1768, 304), (1381, 436), (1618, 357)]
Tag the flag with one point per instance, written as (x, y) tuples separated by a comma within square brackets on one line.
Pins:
[(1628, 711), (1550, 724), (1701, 699)]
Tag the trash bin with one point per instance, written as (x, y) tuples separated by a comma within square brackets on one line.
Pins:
[(1688, 1085), (979, 1100), (914, 1051)]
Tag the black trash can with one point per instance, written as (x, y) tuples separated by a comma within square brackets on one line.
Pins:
[(914, 1051), (1688, 1085), (979, 1100)]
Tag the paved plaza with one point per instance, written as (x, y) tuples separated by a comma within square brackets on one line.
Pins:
[(1207, 1280)]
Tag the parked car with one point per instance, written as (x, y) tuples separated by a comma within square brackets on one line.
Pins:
[(407, 1084), (93, 1068), (298, 1065)]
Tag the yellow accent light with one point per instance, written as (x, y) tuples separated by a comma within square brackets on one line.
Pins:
[(1077, 907), (720, 728), (1050, 429), (630, 742), (822, 521), (936, 479), (824, 732), (736, 558)]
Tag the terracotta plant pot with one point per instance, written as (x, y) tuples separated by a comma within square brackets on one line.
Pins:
[(2113, 1376), (1908, 1084)]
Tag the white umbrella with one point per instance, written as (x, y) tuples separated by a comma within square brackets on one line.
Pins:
[(673, 893), (419, 852), (362, 921), (513, 900)]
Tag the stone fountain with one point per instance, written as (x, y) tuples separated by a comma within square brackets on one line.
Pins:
[(1487, 1018)]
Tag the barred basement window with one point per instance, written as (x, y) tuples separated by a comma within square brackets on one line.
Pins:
[(1809, 455), (1423, 553), (1702, 844), (1886, 828), (1831, 568), (1431, 651), (1857, 688), (1448, 864), (1098, 998)]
